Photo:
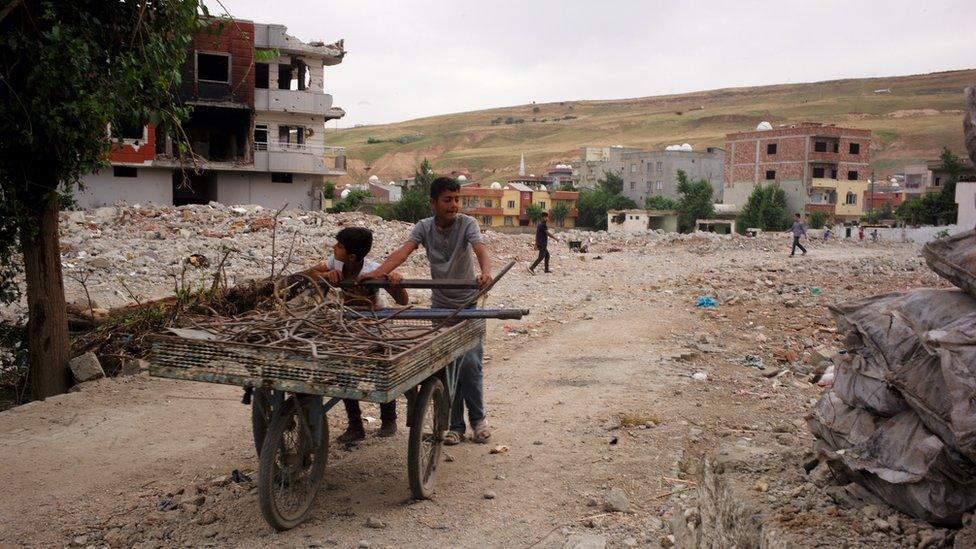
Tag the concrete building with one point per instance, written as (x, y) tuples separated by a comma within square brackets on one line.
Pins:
[(638, 221), (820, 167), (966, 199), (561, 176), (929, 177), (256, 129), (505, 206), (384, 192), (652, 173)]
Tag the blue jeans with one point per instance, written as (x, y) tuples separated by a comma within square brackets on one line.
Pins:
[(470, 391)]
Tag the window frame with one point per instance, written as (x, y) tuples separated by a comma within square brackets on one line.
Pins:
[(771, 148), (196, 66), (855, 173), (770, 178)]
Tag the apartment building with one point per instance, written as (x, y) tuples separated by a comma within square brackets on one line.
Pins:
[(505, 205), (820, 167), (256, 129), (648, 173)]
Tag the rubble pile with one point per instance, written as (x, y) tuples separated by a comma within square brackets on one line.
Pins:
[(901, 416)]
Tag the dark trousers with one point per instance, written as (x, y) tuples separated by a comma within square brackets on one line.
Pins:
[(543, 256), (796, 244), (355, 414)]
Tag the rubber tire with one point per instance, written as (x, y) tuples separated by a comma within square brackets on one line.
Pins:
[(259, 421), (281, 420), (433, 388)]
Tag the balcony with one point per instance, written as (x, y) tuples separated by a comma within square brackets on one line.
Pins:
[(823, 183), (816, 156), (299, 158), (826, 208), (301, 101)]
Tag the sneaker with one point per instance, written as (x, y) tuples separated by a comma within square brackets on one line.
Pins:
[(387, 429)]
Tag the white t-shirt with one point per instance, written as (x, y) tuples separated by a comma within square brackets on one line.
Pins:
[(368, 267)]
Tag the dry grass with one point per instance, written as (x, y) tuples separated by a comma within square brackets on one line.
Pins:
[(470, 142)]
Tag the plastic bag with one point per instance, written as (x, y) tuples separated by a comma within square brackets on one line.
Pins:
[(954, 259)]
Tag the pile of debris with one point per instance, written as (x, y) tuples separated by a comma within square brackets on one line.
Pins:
[(901, 417)]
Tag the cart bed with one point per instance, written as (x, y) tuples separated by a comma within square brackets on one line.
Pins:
[(332, 375)]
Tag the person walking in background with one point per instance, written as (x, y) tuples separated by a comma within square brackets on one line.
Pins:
[(798, 230), (542, 236)]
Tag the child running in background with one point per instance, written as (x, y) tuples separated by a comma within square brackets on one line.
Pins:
[(348, 261)]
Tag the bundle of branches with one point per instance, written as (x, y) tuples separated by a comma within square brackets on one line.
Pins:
[(317, 322), (120, 332)]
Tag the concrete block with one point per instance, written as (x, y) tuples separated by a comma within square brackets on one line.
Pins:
[(86, 368)]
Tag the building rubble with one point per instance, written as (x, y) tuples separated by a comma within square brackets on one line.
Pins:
[(901, 416)]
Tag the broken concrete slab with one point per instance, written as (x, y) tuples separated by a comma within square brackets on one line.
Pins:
[(86, 368)]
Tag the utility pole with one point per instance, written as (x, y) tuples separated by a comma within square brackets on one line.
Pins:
[(871, 205)]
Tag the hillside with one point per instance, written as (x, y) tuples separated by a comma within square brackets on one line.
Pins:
[(913, 122)]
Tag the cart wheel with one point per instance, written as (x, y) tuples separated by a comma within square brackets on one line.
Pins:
[(428, 421), (292, 464), (262, 410)]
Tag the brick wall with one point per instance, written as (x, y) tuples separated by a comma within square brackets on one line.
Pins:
[(128, 154), (794, 149), (235, 38)]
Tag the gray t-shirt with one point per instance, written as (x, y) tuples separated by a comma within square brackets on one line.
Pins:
[(450, 255), (798, 229)]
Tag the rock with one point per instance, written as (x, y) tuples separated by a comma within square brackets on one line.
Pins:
[(133, 366), (653, 523), (629, 542), (699, 376), (592, 502), (489, 494), (79, 541), (667, 541), (363, 544), (761, 485), (695, 434), (189, 508), (207, 517), (881, 525), (373, 522), (585, 541), (101, 263), (194, 499), (616, 501), (86, 367), (613, 423)]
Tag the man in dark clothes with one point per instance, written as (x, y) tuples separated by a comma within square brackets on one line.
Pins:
[(542, 235), (798, 230)]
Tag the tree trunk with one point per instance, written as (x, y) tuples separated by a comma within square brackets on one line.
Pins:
[(47, 327)]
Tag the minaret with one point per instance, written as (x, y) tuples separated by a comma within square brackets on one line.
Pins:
[(522, 166)]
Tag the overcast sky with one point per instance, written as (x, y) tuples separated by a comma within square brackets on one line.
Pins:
[(412, 59)]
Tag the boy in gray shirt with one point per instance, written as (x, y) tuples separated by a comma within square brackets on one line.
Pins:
[(449, 238)]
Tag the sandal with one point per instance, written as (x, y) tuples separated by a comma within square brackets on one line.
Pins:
[(481, 433), (452, 438)]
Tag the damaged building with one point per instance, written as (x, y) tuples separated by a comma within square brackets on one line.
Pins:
[(256, 129)]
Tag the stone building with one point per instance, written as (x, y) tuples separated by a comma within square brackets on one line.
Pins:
[(652, 173)]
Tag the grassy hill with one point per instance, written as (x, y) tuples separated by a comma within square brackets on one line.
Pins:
[(912, 123)]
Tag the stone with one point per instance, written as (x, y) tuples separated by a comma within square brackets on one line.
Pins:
[(489, 494), (761, 485), (629, 542), (373, 522), (86, 367), (79, 541), (592, 502), (612, 424), (616, 501), (101, 263), (585, 541), (667, 541), (133, 366), (363, 544)]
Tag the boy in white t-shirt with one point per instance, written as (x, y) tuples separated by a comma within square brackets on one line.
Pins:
[(347, 262)]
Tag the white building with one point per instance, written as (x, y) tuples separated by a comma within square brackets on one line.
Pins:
[(257, 128)]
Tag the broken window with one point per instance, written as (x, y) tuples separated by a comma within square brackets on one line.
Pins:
[(262, 73), (284, 76), (132, 131), (213, 67), (291, 136), (820, 146), (771, 148), (818, 172), (124, 171), (486, 220), (277, 177), (852, 175), (833, 173), (851, 198), (855, 148), (261, 137), (836, 146), (770, 174)]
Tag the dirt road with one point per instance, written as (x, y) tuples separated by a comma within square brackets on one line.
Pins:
[(93, 467)]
